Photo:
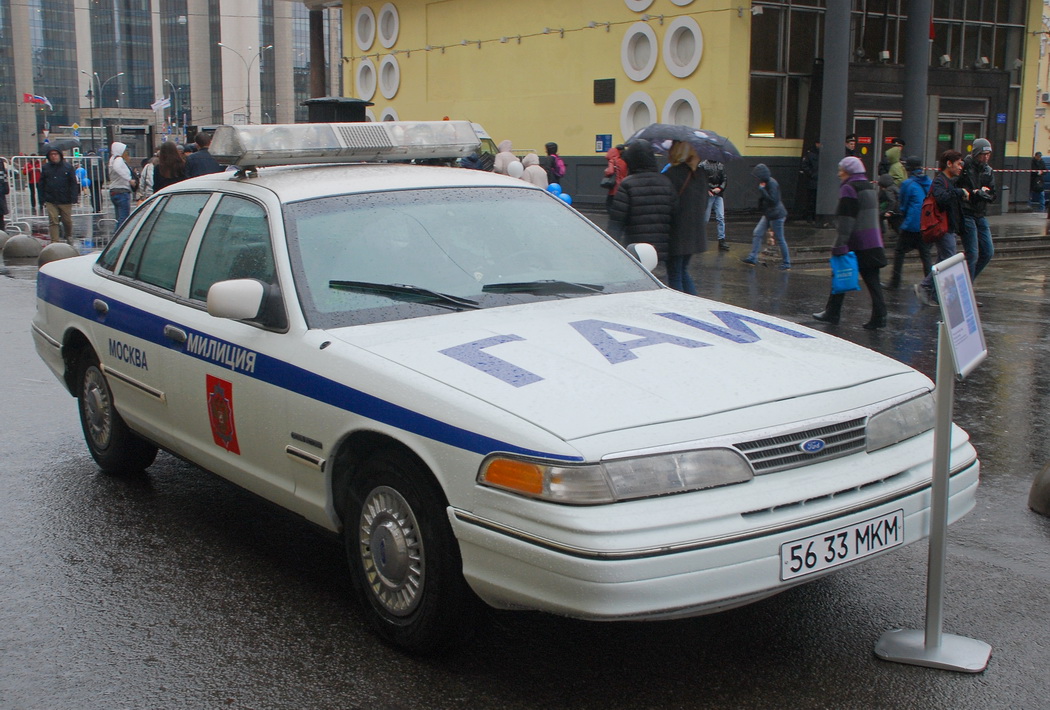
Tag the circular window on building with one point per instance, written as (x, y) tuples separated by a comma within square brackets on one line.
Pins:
[(683, 46), (370, 115), (681, 3), (638, 112), (389, 25), (638, 5), (365, 80), (389, 114), (682, 109), (389, 76), (638, 51), (365, 28)]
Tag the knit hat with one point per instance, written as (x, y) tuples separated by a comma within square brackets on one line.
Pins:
[(912, 163), (981, 145), (852, 165)]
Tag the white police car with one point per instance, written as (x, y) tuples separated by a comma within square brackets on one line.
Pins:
[(480, 390)]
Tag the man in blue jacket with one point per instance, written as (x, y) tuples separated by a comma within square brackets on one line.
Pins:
[(912, 193)]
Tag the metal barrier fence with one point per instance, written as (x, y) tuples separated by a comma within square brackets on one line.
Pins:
[(92, 213), (25, 200)]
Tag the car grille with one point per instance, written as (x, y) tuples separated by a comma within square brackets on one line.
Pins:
[(779, 453)]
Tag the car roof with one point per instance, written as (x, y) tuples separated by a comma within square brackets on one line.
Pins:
[(301, 182)]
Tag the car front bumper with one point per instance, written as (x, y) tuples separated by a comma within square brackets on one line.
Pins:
[(509, 569)]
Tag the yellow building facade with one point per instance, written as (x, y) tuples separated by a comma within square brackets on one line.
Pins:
[(589, 72)]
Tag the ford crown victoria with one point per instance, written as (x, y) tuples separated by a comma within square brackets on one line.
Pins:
[(483, 393)]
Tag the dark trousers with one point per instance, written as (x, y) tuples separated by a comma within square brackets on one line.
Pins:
[(870, 274), (905, 243)]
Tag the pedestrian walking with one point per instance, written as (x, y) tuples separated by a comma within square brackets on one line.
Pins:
[(146, 187), (889, 202), (912, 194), (60, 191), (809, 179), (533, 172), (851, 144), (689, 180), (504, 157), (201, 161), (949, 198), (31, 171), (1036, 195), (643, 207), (5, 190), (893, 158), (773, 215), (615, 168), (555, 165), (170, 168), (716, 187), (859, 232), (120, 178), (977, 179)]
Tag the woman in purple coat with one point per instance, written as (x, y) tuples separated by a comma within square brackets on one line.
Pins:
[(859, 232)]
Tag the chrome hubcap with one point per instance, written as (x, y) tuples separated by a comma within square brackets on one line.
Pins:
[(98, 411), (392, 551)]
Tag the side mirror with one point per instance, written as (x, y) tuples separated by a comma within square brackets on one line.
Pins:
[(645, 254), (238, 299)]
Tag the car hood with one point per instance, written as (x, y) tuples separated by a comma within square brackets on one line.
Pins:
[(590, 365)]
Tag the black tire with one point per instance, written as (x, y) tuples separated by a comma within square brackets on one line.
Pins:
[(404, 559), (115, 448)]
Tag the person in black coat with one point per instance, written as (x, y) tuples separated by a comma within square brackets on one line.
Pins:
[(202, 162), (60, 191), (642, 207), (687, 224)]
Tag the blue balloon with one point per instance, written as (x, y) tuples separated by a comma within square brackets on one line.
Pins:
[(565, 197), (554, 188)]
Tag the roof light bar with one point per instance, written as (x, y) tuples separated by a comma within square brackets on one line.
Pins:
[(302, 143)]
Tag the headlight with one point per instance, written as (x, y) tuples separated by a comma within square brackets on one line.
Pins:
[(902, 422), (617, 480)]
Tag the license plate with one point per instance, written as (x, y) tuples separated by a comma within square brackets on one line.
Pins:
[(837, 547)]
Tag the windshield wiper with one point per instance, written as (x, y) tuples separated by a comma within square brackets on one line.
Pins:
[(404, 292), (547, 287)]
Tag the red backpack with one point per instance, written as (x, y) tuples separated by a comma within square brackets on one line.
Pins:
[(933, 222)]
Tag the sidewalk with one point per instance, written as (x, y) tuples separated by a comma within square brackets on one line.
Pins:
[(1016, 235)]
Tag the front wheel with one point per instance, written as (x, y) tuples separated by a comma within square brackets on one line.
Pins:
[(115, 448), (404, 559)]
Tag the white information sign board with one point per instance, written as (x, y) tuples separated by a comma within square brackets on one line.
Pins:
[(959, 310)]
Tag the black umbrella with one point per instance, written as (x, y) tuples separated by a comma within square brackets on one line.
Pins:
[(708, 144)]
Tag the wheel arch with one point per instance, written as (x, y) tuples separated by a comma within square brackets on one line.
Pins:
[(355, 449), (74, 345)]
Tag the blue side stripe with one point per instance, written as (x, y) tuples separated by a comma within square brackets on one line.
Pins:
[(134, 321)]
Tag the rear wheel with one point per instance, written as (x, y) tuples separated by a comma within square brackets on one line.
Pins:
[(403, 556), (115, 448)]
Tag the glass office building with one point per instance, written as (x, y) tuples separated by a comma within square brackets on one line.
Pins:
[(107, 63)]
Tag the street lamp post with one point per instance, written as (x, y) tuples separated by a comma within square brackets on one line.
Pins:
[(101, 87), (90, 96), (248, 71), (176, 109)]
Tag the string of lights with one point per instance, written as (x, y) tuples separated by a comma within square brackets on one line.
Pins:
[(560, 32)]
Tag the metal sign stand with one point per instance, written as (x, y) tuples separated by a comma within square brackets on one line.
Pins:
[(931, 647)]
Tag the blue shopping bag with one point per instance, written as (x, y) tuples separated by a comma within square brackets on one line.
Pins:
[(844, 275)]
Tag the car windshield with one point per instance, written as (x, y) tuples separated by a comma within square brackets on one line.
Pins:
[(368, 258)]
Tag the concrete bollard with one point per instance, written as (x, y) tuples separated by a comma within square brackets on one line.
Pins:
[(4, 236), (1039, 497), (56, 251), (22, 247)]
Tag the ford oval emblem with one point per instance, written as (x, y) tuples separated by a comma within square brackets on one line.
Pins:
[(812, 446)]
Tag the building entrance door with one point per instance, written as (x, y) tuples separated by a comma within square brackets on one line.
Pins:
[(874, 134), (958, 133)]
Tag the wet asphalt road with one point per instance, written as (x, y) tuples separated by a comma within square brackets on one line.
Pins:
[(178, 590)]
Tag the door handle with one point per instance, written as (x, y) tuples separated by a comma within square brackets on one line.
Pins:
[(100, 306), (176, 334)]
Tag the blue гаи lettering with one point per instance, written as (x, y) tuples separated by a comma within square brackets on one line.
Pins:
[(734, 328)]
